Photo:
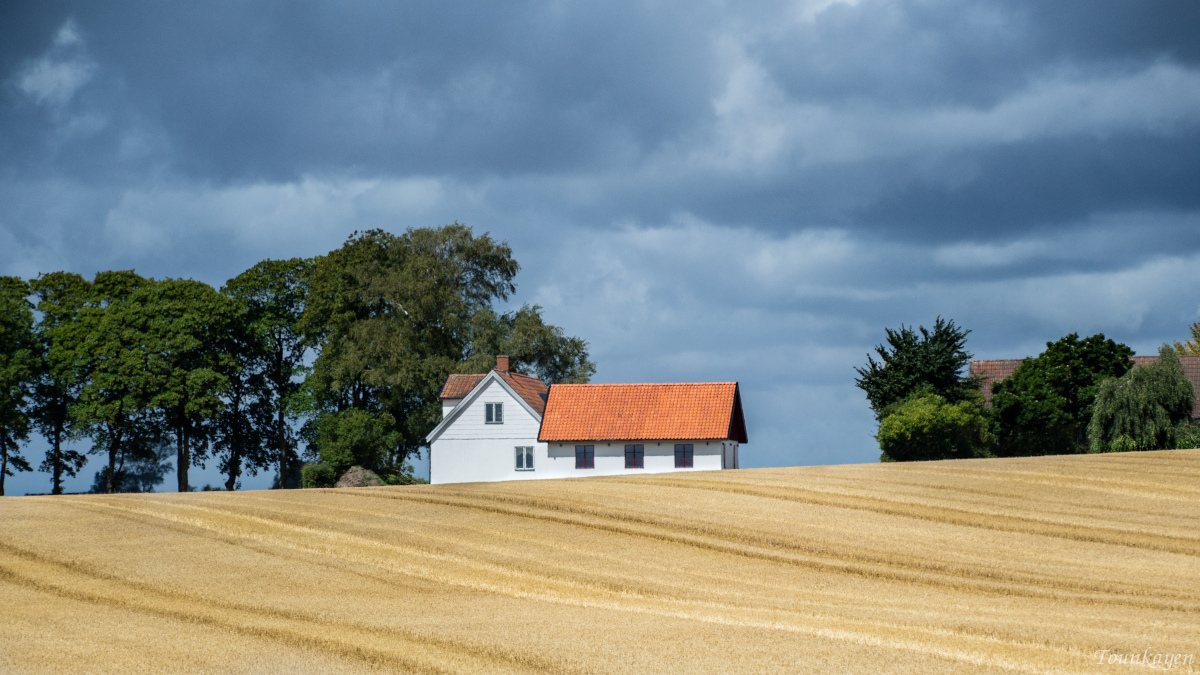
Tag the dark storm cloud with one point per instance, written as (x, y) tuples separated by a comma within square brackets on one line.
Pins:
[(234, 92), (276, 90), (702, 190)]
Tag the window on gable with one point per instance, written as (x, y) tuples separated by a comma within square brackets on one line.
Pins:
[(494, 413), (524, 458), (585, 457), (683, 455), (635, 457)]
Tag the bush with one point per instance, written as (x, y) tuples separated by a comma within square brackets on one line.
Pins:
[(355, 437), (1148, 408), (317, 476), (926, 427), (402, 476), (1187, 435)]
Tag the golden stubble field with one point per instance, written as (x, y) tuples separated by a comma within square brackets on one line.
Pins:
[(1023, 565)]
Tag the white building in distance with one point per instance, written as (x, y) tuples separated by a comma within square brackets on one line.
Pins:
[(508, 426)]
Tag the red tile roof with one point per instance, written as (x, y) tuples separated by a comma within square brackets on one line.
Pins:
[(531, 389), (992, 371), (995, 370), (458, 386), (637, 412)]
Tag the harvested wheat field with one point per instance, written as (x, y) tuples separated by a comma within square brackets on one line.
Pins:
[(1022, 565)]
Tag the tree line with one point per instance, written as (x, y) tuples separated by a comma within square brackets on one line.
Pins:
[(1079, 395), (337, 360)]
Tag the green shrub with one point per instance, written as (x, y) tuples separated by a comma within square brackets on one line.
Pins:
[(317, 476), (925, 427)]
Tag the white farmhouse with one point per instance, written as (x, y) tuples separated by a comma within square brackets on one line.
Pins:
[(508, 426)]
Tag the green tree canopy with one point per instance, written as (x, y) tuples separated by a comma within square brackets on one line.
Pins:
[(183, 326), (1045, 406), (533, 347), (275, 294), (242, 432), (60, 297), (394, 315), (926, 426), (918, 359), (1147, 408), (356, 437), (18, 368), (108, 344)]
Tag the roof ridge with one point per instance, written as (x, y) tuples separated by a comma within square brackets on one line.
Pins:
[(643, 384)]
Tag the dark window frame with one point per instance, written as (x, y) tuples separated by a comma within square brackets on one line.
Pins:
[(493, 413), (635, 456), (524, 458), (685, 456), (585, 457)]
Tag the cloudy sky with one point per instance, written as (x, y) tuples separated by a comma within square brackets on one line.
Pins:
[(702, 190)]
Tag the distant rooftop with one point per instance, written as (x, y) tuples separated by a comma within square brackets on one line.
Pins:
[(995, 370)]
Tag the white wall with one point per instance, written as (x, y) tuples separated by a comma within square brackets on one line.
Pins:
[(471, 450), (610, 458), (478, 460)]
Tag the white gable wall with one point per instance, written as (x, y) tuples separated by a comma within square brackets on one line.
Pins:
[(471, 450)]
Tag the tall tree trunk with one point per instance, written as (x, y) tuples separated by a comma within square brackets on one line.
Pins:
[(235, 447), (282, 449), (113, 446), (3, 460), (57, 461), (235, 450), (235, 470), (182, 459)]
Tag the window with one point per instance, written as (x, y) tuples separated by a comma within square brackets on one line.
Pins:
[(683, 456), (524, 458), (585, 457), (635, 457), (495, 413)]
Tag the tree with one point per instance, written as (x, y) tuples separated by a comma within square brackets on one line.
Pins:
[(1190, 347), (183, 325), (925, 426), (243, 430), (275, 294), (393, 315), (533, 347), (18, 368), (60, 297), (108, 342), (935, 360), (1045, 406), (1145, 409)]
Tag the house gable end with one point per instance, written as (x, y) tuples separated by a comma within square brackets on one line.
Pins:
[(471, 397)]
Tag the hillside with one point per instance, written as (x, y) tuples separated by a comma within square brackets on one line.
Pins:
[(1025, 565)]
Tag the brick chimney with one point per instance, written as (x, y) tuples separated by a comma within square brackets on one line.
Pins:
[(502, 363)]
